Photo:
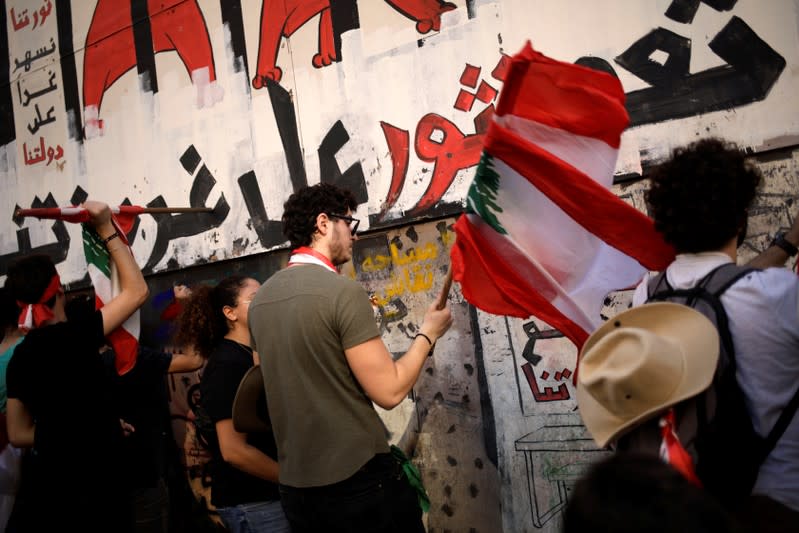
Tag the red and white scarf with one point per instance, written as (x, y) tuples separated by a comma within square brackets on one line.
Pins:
[(305, 255), (672, 450), (35, 314)]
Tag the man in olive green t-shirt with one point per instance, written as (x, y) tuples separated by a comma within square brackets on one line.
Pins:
[(324, 363)]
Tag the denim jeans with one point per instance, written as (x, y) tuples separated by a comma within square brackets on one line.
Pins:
[(257, 517), (376, 499)]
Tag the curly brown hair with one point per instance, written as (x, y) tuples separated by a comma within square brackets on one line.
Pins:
[(302, 208), (700, 197), (201, 323)]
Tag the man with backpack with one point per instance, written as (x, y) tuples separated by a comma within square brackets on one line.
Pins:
[(699, 200)]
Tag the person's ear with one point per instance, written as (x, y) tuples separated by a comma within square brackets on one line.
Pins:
[(322, 223), (229, 313)]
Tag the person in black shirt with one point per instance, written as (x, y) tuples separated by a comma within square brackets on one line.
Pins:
[(244, 472), (59, 400)]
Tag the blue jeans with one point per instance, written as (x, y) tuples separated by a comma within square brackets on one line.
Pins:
[(376, 499), (257, 517)]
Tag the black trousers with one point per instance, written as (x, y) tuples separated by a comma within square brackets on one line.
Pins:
[(376, 499)]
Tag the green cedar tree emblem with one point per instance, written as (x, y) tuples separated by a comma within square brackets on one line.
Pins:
[(483, 193)]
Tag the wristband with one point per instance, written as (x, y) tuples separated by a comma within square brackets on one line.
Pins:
[(781, 242), (110, 238), (425, 338)]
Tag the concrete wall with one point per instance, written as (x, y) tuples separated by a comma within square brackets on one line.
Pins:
[(232, 104)]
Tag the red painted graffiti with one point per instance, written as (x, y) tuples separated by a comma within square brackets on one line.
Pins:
[(426, 13), (110, 47)]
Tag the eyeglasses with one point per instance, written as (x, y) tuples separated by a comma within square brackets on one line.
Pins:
[(353, 222)]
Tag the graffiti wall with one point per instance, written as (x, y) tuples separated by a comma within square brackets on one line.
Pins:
[(233, 104)]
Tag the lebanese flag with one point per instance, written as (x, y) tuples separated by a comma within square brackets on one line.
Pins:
[(103, 273), (542, 234)]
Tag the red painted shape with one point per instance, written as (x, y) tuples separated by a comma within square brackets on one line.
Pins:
[(110, 49), (549, 395), (500, 72), (398, 146), (544, 375), (483, 120), (566, 373), (486, 93), (281, 18), (464, 101), (454, 152), (470, 76), (426, 13)]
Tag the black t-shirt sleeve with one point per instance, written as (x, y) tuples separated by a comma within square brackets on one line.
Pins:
[(153, 361), (219, 385)]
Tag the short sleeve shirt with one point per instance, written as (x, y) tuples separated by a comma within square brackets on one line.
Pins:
[(302, 320), (224, 371), (58, 374)]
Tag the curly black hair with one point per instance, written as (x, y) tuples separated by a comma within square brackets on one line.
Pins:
[(700, 197), (201, 323), (302, 208)]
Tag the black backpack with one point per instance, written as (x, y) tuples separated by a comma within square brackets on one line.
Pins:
[(714, 426)]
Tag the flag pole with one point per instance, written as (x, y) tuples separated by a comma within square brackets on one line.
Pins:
[(157, 210), (442, 297), (32, 212)]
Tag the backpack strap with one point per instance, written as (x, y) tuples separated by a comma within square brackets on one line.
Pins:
[(714, 284), (782, 424), (709, 289)]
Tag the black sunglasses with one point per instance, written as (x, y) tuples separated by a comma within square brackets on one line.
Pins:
[(353, 222)]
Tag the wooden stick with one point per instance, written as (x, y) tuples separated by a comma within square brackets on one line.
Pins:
[(19, 213), (442, 297), (158, 210)]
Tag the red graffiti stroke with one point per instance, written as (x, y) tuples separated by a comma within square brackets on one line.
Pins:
[(398, 143), (426, 13), (549, 394), (455, 151), (110, 49), (281, 18)]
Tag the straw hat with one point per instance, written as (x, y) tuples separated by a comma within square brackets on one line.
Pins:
[(641, 362), (249, 406)]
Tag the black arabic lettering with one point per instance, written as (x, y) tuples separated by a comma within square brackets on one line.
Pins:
[(57, 251), (187, 224), (38, 122), (752, 69), (30, 58), (270, 232), (685, 10), (36, 94)]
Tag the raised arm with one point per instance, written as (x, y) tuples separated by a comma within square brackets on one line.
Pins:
[(774, 255), (188, 360), (134, 290), (388, 382)]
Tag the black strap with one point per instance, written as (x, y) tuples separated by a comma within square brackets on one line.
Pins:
[(782, 424), (722, 324)]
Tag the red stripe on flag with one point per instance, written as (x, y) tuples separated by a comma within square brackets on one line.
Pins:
[(590, 204), (495, 282), (126, 349), (577, 99)]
